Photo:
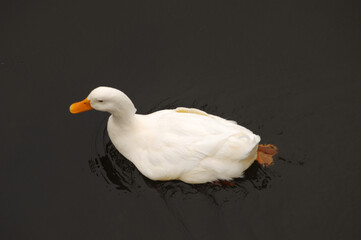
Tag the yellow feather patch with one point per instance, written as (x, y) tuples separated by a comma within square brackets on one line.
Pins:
[(191, 110)]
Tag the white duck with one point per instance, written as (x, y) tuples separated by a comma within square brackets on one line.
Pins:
[(183, 143)]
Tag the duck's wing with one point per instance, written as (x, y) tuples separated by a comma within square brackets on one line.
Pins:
[(195, 134)]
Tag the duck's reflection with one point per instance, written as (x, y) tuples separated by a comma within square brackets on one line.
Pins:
[(120, 172)]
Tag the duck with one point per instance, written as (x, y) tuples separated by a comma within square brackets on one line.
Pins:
[(185, 144)]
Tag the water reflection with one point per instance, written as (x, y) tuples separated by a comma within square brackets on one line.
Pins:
[(116, 170)]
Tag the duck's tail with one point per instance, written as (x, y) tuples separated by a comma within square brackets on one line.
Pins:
[(265, 154)]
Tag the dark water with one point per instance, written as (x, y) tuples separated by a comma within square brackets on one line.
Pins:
[(288, 71)]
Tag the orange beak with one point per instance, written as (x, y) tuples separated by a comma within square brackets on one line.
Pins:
[(79, 107)]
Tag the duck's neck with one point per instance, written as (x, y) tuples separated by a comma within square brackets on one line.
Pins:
[(123, 115), (122, 111), (123, 120)]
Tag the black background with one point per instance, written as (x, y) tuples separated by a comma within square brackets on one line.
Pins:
[(289, 71)]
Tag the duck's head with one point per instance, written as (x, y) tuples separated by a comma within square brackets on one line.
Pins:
[(105, 99)]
